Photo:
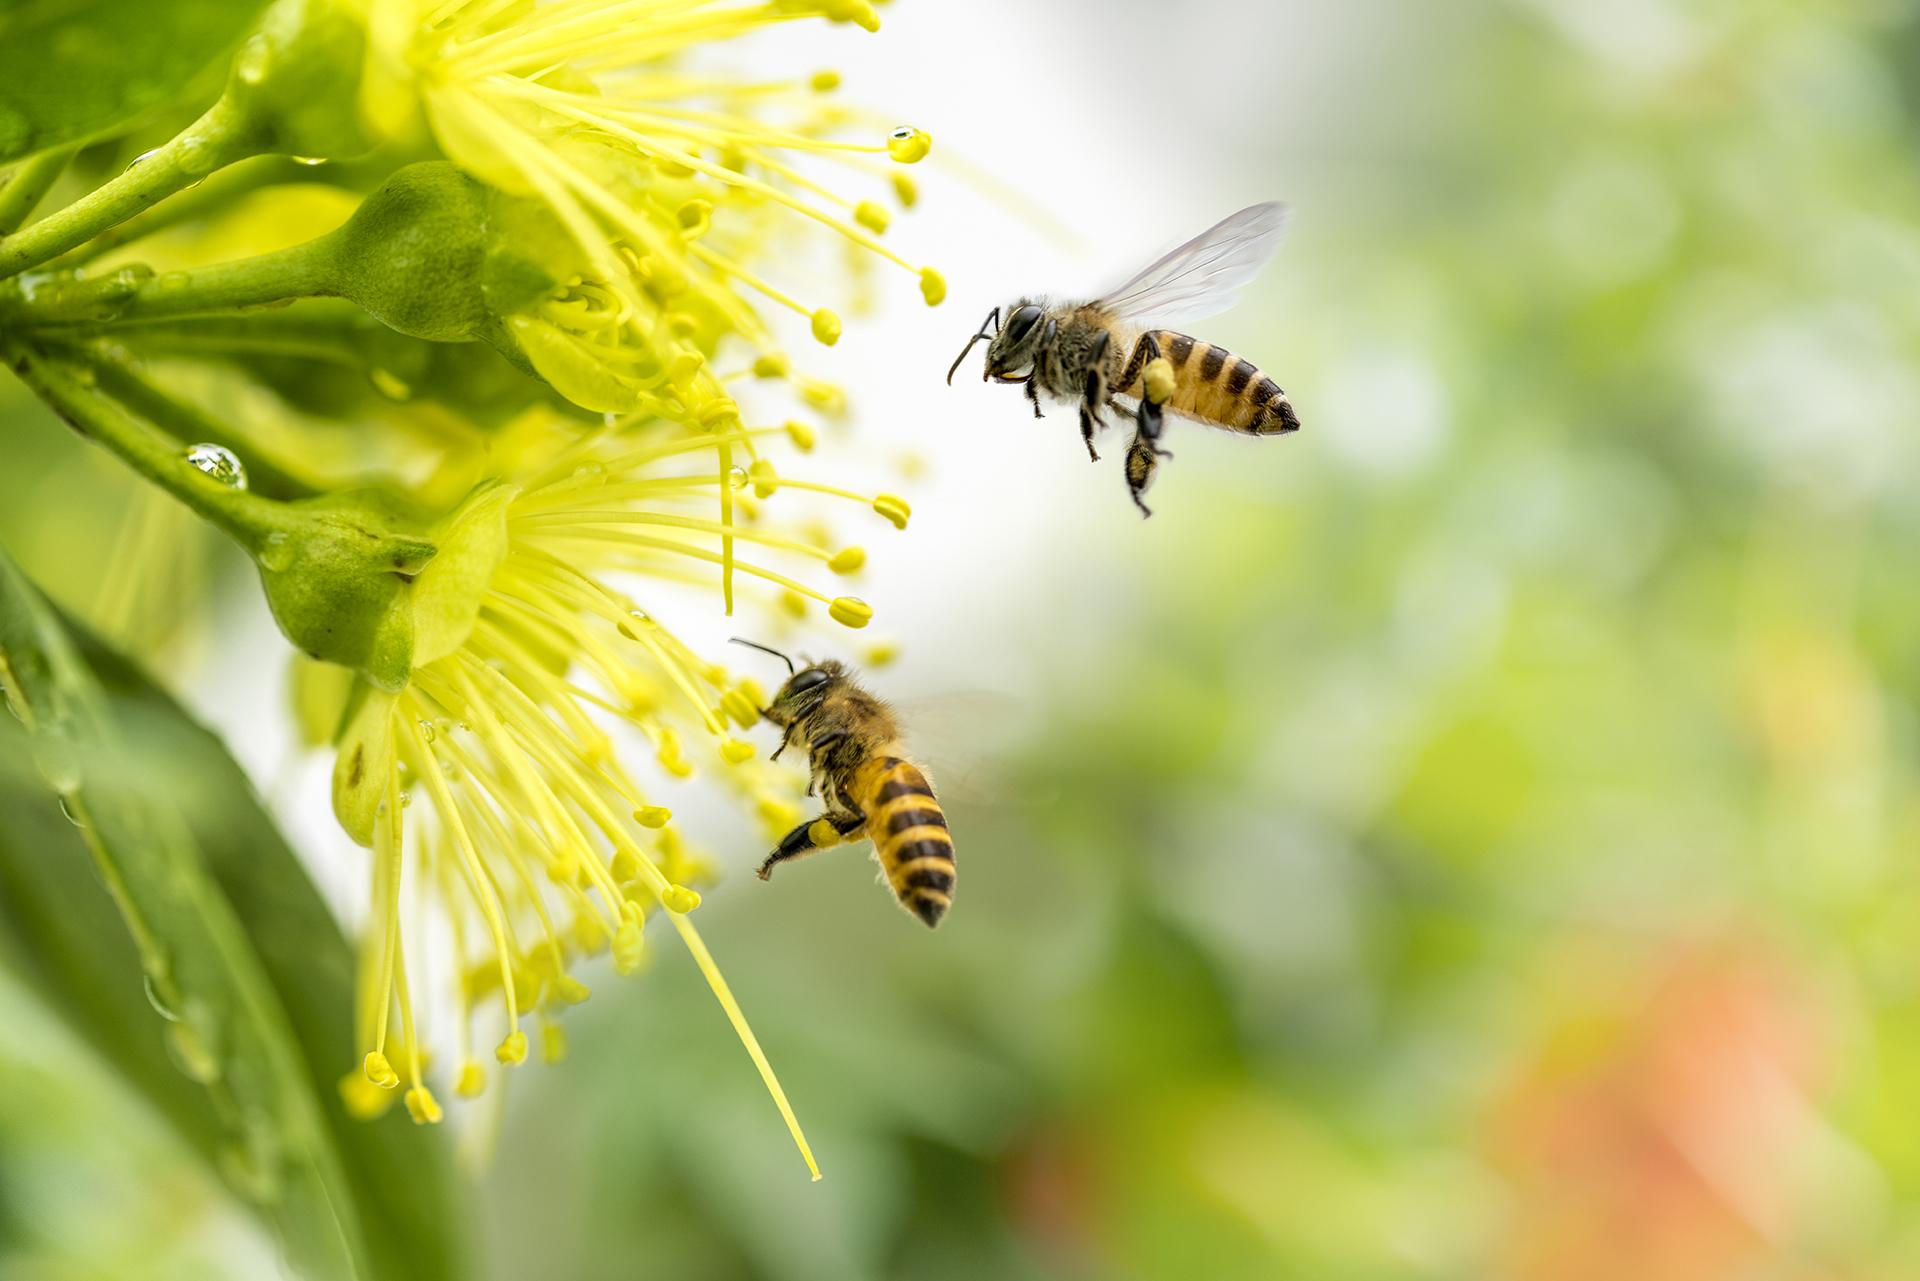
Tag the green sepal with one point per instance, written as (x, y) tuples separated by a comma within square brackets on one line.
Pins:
[(448, 592), (363, 762)]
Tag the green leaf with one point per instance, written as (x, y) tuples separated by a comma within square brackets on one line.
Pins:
[(72, 70), (171, 925)]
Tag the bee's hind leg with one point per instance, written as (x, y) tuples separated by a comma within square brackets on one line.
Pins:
[(1144, 453), (820, 833)]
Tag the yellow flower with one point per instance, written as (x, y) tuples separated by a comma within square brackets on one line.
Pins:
[(491, 784), (666, 182)]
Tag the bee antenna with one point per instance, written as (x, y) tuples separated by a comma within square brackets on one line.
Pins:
[(765, 649), (993, 318)]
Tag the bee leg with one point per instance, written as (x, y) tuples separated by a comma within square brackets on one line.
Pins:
[(1143, 460), (820, 833), (1033, 396), (1094, 394)]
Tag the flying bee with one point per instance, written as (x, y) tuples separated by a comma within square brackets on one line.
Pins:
[(1100, 352), (870, 788)]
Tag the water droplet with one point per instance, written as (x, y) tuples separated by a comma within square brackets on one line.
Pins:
[(427, 731), (66, 807), (145, 155), (277, 552), (159, 1003), (218, 462), (737, 478), (252, 62), (309, 160), (57, 759), (406, 799), (610, 420), (591, 473), (636, 618)]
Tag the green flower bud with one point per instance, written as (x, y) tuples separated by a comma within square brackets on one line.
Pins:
[(412, 254), (297, 81), (337, 575)]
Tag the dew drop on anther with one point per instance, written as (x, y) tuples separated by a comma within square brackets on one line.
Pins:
[(218, 462)]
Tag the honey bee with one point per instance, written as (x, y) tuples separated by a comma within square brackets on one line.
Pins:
[(1073, 350), (870, 788)]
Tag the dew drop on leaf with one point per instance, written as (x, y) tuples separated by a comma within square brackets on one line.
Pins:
[(218, 462)]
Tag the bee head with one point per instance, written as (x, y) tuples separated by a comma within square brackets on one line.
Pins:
[(804, 690), (1010, 347), (1018, 341)]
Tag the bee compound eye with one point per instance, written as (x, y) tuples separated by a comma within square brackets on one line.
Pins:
[(1021, 323), (807, 680)]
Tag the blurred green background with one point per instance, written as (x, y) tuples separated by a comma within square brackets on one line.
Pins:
[(1476, 840)]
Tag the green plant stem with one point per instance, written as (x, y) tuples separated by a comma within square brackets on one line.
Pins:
[(31, 180), (217, 139), (131, 295), (248, 518), (189, 424)]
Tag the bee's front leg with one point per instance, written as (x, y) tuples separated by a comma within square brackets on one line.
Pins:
[(820, 833), (1032, 390)]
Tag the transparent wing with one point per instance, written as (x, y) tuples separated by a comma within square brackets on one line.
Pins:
[(1199, 278)]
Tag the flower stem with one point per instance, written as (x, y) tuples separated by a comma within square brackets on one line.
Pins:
[(217, 139), (134, 294), (248, 518), (31, 180)]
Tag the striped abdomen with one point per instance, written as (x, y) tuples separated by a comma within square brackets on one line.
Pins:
[(909, 835), (1217, 387)]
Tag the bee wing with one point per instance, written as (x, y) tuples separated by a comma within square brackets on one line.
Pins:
[(1200, 278)]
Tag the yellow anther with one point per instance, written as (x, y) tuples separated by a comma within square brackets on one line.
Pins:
[(905, 190), (826, 327), (1159, 380), (695, 216), (909, 145), (847, 560), (735, 751), (553, 1043), (858, 12), (740, 707), (894, 508), (794, 603), (850, 611), (765, 479), (513, 1050), (824, 81), (422, 1107), (685, 364), (872, 215), (680, 899), (770, 364), (589, 934), (629, 947), (802, 435), (654, 816), (377, 1070), (933, 286), (571, 990), (624, 865), (825, 397), (472, 1080), (363, 1099), (881, 653), (778, 815)]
